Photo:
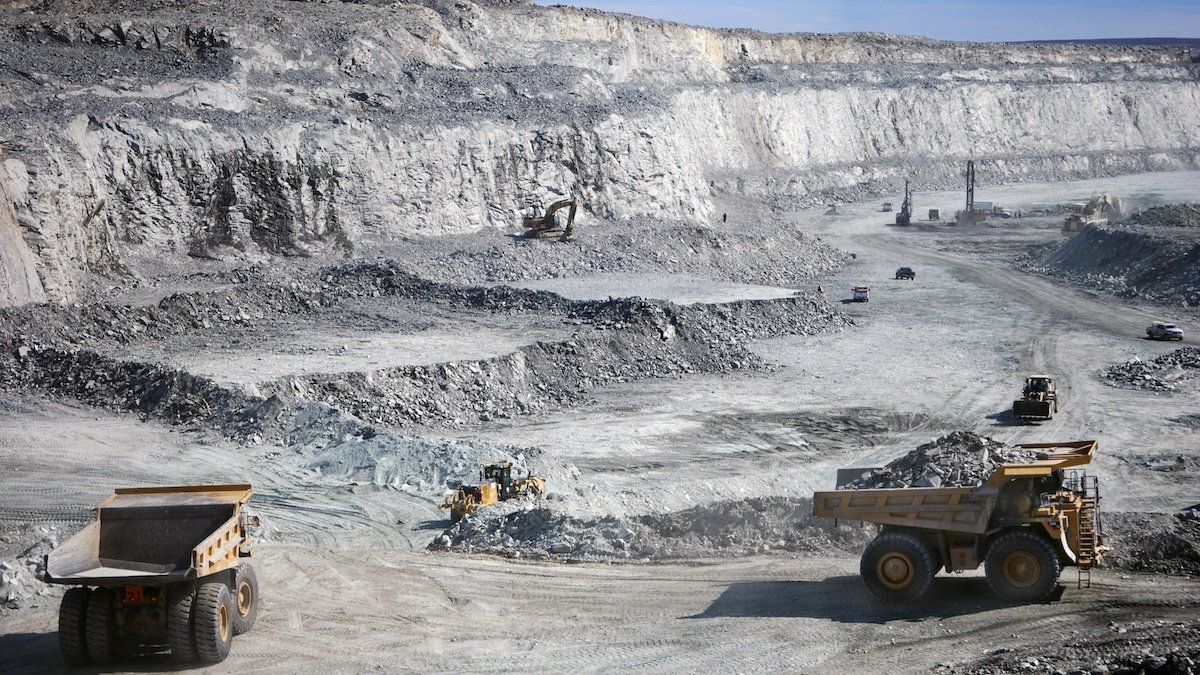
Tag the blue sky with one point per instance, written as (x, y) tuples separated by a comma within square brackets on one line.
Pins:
[(962, 20)]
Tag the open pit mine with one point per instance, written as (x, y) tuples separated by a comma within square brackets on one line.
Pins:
[(439, 334)]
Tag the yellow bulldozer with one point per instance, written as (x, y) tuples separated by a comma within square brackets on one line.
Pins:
[(546, 225), (495, 484)]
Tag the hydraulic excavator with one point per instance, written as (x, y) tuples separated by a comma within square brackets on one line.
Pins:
[(546, 225)]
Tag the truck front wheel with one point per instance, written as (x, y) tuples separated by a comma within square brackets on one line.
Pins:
[(1022, 567), (898, 567), (245, 594), (72, 639)]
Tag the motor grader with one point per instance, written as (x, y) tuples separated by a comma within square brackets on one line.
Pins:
[(1039, 400), (1023, 524), (160, 566), (495, 484)]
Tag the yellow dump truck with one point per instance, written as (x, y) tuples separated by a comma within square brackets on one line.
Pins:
[(160, 566), (1024, 524)]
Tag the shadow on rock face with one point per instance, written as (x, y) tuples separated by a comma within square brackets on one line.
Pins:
[(845, 599)]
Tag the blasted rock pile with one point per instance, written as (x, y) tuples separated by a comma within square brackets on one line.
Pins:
[(1171, 215), (1163, 543), (22, 563), (543, 530), (1164, 373), (1144, 647), (1154, 255), (958, 459)]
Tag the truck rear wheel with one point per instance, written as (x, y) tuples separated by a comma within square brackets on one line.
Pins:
[(898, 567), (245, 596), (179, 624), (1022, 567), (72, 638), (212, 618), (101, 625)]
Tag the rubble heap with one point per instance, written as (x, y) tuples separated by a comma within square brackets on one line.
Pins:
[(1164, 373), (958, 459), (544, 530), (1162, 543), (21, 565), (1171, 215)]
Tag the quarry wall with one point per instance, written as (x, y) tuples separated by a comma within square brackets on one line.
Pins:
[(303, 129)]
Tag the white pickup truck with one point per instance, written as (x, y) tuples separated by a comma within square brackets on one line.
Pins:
[(1161, 330)]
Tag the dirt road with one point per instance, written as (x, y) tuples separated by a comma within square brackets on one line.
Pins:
[(364, 610)]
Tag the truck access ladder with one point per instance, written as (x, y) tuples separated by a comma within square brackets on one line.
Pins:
[(1089, 530)]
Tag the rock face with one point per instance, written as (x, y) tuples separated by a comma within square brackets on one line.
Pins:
[(958, 459), (19, 282), (282, 128)]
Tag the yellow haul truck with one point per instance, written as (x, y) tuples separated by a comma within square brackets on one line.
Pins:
[(163, 566), (1024, 524)]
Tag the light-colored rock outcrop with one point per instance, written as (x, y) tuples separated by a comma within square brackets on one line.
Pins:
[(313, 129)]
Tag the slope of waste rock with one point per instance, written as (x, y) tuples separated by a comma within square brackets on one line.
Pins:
[(958, 459), (545, 529), (1154, 255), (1165, 543)]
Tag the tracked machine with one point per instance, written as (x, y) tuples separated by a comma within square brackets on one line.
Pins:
[(546, 226), (495, 484), (1039, 400), (1023, 524)]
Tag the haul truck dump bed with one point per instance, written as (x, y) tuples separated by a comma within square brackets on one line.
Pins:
[(160, 566), (1024, 523)]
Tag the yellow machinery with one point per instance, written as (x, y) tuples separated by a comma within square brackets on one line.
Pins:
[(546, 225), (1023, 524), (495, 484), (160, 566), (1039, 400)]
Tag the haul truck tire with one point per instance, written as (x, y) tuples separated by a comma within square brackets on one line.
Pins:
[(101, 625), (898, 567), (179, 624), (1022, 567), (245, 598), (72, 640), (212, 619)]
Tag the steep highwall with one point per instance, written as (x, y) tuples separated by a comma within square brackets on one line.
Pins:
[(313, 129), (19, 282)]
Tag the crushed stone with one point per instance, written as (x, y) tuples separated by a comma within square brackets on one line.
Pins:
[(958, 459)]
